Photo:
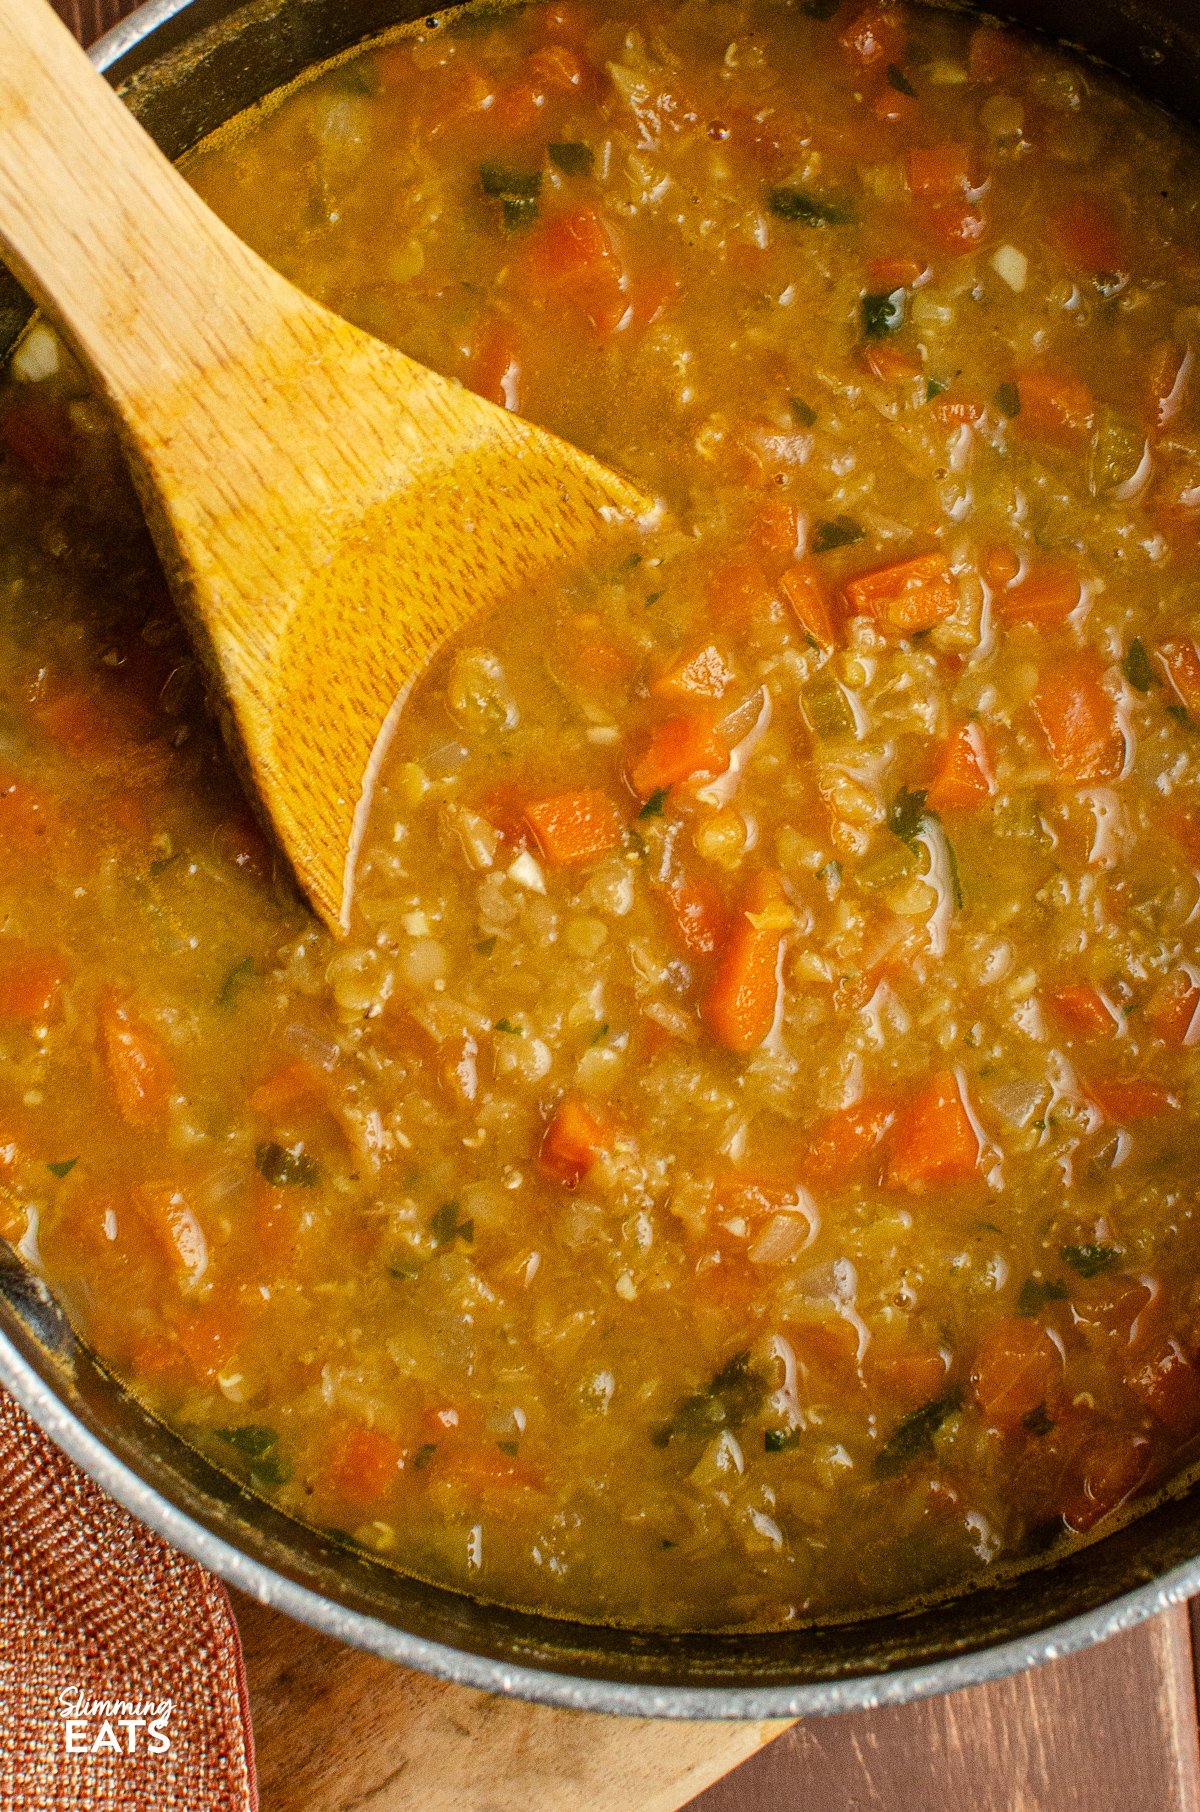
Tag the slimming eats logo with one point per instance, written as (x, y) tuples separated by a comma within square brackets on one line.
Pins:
[(114, 1726)]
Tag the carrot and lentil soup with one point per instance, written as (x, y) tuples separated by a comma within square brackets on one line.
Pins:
[(740, 1168)]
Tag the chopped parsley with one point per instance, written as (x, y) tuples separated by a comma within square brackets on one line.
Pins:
[(914, 1435), (231, 986), (1090, 1259), (1036, 1292), (506, 1025), (63, 1167), (653, 807), (1037, 1422), (729, 1399), (841, 531), (883, 314), (572, 158), (446, 1226), (287, 1166), (510, 183), (899, 81), (811, 210), (1136, 667), (780, 1440), (803, 414), (1008, 400), (251, 1438)]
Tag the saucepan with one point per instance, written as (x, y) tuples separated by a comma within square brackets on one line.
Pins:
[(185, 66)]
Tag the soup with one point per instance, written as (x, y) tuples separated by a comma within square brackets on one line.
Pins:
[(739, 1168)]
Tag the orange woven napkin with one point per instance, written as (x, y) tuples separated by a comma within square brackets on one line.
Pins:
[(121, 1682)]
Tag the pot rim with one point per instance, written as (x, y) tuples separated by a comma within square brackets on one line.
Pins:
[(273, 1588)]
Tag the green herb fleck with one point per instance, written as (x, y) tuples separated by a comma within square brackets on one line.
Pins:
[(914, 1435), (780, 1440), (635, 843), (1182, 716), (486, 945), (506, 1025), (446, 1226), (1037, 1421), (274, 1470), (883, 314), (1136, 667), (729, 1399), (519, 211), (572, 158), (161, 864), (803, 414), (233, 981), (907, 813), (841, 531), (511, 1448), (935, 387), (406, 1273), (1036, 1292), (956, 888), (600, 1033), (811, 210), (510, 183), (423, 1455), (288, 1167), (1008, 400), (251, 1438), (1089, 1260), (63, 1168), (899, 81), (653, 807)]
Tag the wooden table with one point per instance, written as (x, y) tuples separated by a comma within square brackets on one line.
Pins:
[(1111, 1730)]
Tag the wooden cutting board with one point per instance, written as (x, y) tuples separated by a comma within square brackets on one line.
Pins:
[(1113, 1729)]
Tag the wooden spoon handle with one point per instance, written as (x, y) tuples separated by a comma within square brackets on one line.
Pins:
[(92, 215)]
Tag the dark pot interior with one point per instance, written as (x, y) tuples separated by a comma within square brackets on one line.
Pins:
[(184, 66)]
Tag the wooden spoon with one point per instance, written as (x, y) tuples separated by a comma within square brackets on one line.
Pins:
[(327, 511)]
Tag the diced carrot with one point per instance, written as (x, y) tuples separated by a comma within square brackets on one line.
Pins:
[(136, 1063), (905, 1379), (1056, 407), (964, 776), (573, 828), (1001, 565), (679, 749), (1083, 1010), (741, 1004), (1174, 1009), (702, 673), (939, 172), (1079, 720), (241, 841), (890, 363), (934, 1140), (1017, 1368), (77, 722), (364, 1465), (739, 593), (955, 226), (494, 369), (913, 595), (571, 259), (1167, 381), (557, 68), (653, 292), (1045, 596), (1125, 1102), (1180, 661), (1183, 826), (1169, 1385), (481, 1472), (296, 1087), (517, 107), (874, 35), (1109, 1469), (828, 1346), (776, 529), (209, 1337), (996, 54), (697, 915), (894, 108), (1087, 236), (804, 589), (30, 985), (37, 429), (841, 1142), (168, 1214), (886, 274), (579, 1133), (957, 411)]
